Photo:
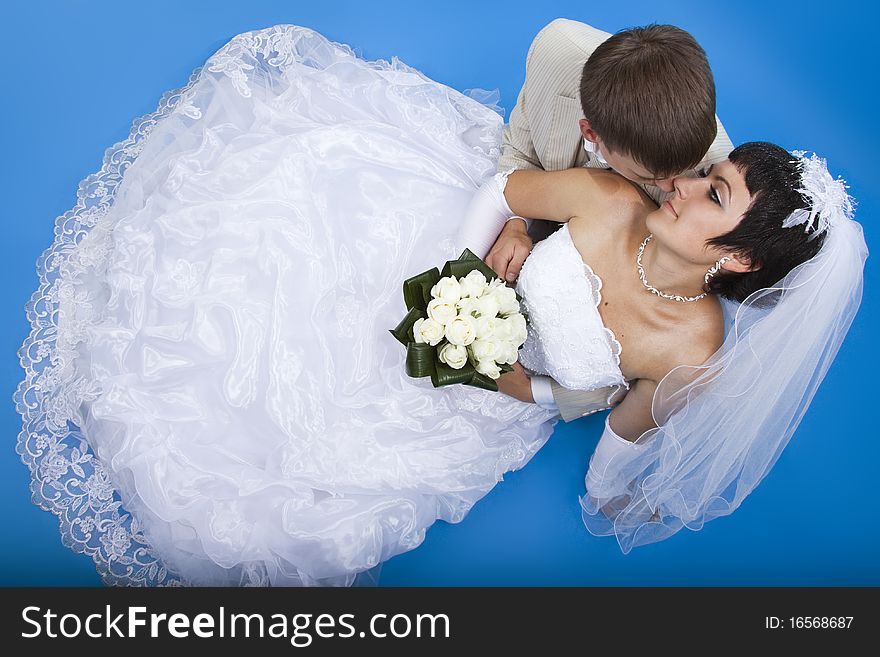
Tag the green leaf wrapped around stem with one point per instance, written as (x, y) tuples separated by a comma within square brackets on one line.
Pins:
[(465, 264), (417, 289), (483, 381), (403, 331), (445, 375), (420, 359)]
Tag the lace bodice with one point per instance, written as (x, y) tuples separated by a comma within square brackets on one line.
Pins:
[(567, 339)]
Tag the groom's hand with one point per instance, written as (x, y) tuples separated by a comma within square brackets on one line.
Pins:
[(516, 383), (507, 255)]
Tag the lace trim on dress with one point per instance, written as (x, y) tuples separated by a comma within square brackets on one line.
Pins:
[(66, 476), (596, 286)]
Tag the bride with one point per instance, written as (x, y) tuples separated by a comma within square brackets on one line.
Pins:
[(212, 395)]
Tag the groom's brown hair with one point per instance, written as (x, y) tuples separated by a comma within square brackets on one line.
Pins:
[(648, 92)]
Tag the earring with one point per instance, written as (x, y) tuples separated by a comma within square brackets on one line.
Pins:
[(715, 268)]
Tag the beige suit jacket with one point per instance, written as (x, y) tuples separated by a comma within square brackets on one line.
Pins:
[(543, 133)]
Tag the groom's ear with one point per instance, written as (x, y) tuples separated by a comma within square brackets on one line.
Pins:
[(587, 131)]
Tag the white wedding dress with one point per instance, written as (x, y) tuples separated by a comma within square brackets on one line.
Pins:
[(213, 395)]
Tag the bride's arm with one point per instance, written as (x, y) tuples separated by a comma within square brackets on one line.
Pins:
[(614, 461), (616, 448), (523, 195), (632, 416), (559, 195), (485, 217)]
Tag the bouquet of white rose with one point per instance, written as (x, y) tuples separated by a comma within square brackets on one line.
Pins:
[(465, 326)]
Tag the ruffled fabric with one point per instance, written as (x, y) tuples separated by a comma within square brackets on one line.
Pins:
[(212, 395)]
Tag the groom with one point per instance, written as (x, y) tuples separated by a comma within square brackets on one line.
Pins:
[(641, 102)]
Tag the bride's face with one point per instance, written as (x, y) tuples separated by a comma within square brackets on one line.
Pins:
[(700, 209)]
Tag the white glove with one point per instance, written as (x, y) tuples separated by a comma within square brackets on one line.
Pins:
[(610, 445), (485, 216)]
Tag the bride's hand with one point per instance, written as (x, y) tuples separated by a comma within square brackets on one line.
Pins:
[(507, 255), (516, 384)]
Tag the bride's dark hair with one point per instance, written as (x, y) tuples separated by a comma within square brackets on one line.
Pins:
[(772, 177)]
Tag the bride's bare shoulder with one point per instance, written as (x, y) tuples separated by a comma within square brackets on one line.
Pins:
[(614, 188), (609, 200), (698, 335)]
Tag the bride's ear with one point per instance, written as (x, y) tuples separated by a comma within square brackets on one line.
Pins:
[(739, 264)]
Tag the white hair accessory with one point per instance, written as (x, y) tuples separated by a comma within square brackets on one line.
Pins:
[(827, 197)]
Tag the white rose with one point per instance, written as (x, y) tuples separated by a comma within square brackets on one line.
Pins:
[(417, 336), (518, 329), (461, 330), (447, 288), (428, 331), (493, 286), (442, 311), (468, 306), (507, 303), (474, 284), (494, 283), (486, 326), (507, 352), (487, 305), (453, 355), (485, 349), (489, 368), (503, 330)]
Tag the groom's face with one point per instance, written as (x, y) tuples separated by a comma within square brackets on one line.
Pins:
[(624, 164), (627, 167)]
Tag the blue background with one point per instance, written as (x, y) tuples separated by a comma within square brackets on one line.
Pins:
[(800, 74)]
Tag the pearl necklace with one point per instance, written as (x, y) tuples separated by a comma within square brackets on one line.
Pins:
[(672, 297)]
